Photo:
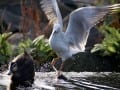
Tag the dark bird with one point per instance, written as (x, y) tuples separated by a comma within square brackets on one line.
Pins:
[(22, 71)]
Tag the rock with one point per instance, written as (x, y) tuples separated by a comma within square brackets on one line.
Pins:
[(88, 62)]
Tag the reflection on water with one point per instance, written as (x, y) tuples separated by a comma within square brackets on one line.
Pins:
[(76, 81), (2, 87)]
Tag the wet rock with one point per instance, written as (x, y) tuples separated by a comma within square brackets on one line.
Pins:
[(112, 79), (88, 62)]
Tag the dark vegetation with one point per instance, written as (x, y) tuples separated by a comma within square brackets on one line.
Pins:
[(33, 29)]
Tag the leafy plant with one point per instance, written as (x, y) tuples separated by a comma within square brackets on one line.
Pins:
[(5, 48), (41, 50), (24, 45), (110, 46)]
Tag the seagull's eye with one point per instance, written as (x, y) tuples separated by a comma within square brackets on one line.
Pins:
[(55, 31)]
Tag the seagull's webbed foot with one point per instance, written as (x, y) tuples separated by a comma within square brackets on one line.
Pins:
[(59, 74), (62, 77)]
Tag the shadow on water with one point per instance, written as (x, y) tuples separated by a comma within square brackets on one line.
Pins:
[(76, 81)]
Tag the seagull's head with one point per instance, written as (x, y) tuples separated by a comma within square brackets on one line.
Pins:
[(56, 28)]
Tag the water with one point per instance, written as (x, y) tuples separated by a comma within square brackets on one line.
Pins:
[(76, 81)]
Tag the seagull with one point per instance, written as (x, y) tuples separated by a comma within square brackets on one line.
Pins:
[(73, 40)]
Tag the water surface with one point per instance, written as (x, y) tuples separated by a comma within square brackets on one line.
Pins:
[(76, 81)]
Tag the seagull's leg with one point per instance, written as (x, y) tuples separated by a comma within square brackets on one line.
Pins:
[(62, 65), (53, 63), (60, 69)]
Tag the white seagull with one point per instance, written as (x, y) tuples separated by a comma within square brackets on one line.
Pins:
[(81, 20)]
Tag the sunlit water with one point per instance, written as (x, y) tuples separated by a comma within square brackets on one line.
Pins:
[(48, 81)]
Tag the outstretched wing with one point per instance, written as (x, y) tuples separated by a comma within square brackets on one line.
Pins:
[(81, 21), (50, 7)]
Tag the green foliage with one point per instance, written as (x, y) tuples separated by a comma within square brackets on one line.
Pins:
[(24, 45), (41, 50), (5, 48), (113, 1), (110, 46)]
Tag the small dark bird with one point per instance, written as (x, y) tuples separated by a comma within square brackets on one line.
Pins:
[(22, 71)]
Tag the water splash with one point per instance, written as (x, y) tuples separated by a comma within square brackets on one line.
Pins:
[(48, 81)]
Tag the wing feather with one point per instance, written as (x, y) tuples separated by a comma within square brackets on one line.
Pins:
[(50, 7), (81, 21)]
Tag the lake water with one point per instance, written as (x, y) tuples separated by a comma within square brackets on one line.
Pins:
[(76, 81)]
